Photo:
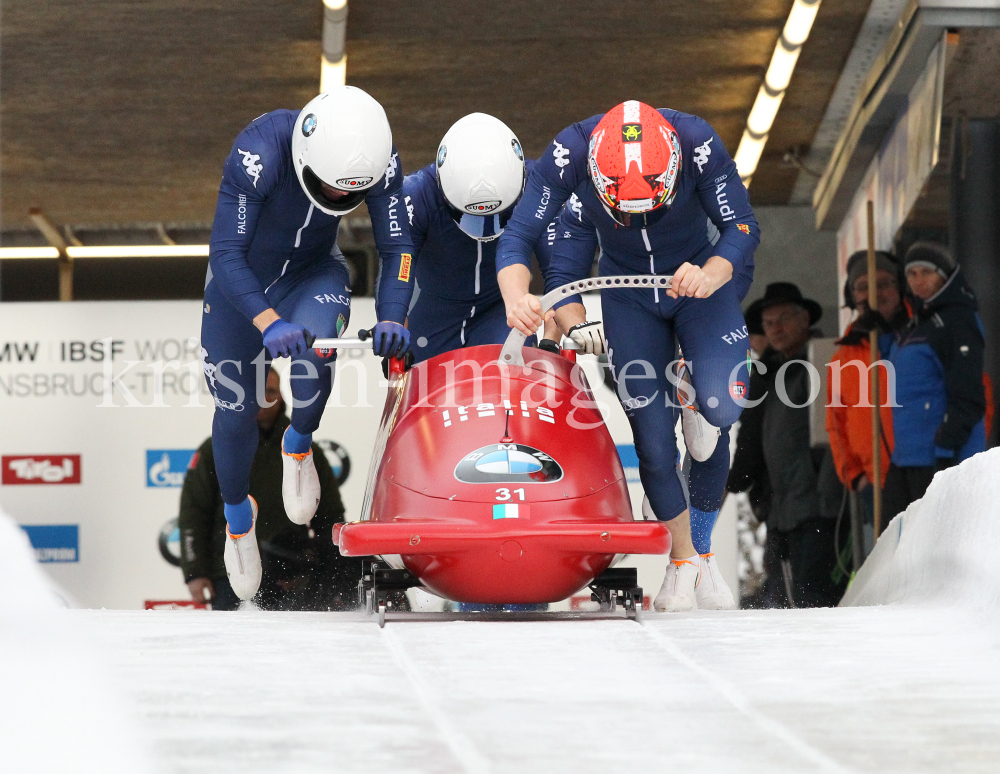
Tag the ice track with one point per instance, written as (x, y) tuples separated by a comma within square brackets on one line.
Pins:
[(867, 689), (910, 684)]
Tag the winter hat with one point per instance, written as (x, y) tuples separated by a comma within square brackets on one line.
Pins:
[(930, 255), (857, 265)]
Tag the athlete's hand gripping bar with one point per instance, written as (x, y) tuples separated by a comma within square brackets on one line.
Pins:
[(511, 354)]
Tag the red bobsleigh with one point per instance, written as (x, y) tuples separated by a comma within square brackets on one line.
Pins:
[(496, 482)]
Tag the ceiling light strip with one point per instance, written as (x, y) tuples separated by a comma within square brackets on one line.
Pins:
[(333, 61), (772, 90), (108, 251)]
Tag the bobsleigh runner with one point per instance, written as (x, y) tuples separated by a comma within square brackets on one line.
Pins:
[(497, 481)]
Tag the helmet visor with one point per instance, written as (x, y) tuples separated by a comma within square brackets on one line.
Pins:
[(637, 220), (342, 204), (482, 228)]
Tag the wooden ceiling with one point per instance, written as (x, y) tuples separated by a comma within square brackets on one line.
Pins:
[(122, 111)]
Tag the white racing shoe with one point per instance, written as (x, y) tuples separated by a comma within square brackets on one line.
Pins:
[(712, 592), (700, 437), (299, 485), (243, 559), (677, 594)]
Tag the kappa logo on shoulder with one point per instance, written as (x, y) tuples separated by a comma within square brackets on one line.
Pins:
[(208, 367), (560, 154), (253, 168), (701, 154), (390, 171), (575, 206)]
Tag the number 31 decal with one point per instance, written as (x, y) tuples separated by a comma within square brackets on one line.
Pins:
[(504, 494)]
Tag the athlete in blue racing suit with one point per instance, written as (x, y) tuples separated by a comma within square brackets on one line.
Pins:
[(275, 276), (705, 237), (457, 301)]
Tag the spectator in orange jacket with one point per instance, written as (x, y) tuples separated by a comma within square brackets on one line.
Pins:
[(849, 406)]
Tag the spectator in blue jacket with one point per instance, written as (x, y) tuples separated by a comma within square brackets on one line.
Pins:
[(938, 362)]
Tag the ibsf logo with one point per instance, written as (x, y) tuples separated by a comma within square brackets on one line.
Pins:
[(166, 467), (41, 469), (481, 207)]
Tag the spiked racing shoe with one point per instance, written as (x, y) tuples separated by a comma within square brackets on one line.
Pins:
[(677, 595), (712, 591), (700, 437), (299, 485), (242, 559)]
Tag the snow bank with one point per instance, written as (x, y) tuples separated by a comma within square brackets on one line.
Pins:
[(57, 713), (945, 548)]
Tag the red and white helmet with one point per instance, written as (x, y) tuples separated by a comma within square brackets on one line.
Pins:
[(634, 160)]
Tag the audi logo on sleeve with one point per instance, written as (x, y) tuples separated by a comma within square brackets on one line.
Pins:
[(41, 469)]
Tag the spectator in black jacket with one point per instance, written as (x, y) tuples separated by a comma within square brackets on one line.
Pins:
[(302, 569), (938, 363), (775, 458)]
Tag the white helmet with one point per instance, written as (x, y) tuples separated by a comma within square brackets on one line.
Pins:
[(481, 173), (341, 139)]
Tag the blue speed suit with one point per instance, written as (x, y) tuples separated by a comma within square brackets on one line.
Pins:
[(457, 301), (711, 215), (272, 248)]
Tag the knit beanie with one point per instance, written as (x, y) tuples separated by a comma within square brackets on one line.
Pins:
[(930, 255), (857, 265)]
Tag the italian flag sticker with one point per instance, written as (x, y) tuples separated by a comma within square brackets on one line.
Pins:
[(504, 511)]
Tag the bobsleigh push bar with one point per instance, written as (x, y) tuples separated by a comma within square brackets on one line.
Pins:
[(511, 352)]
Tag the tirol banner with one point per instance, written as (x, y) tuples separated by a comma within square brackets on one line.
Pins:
[(102, 406)]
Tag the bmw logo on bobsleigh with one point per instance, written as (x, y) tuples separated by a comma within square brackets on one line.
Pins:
[(509, 463)]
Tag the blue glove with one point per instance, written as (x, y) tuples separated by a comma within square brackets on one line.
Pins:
[(390, 339), (284, 339)]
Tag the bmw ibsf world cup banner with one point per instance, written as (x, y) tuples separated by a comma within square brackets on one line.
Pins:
[(103, 405)]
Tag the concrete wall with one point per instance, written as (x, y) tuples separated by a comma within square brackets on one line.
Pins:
[(791, 250)]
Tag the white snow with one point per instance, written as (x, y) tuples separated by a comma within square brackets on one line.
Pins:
[(59, 711), (944, 550), (907, 687)]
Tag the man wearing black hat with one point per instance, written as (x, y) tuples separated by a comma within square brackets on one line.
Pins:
[(938, 364), (802, 478)]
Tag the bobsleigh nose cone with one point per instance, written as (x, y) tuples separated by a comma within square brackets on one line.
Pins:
[(511, 551)]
